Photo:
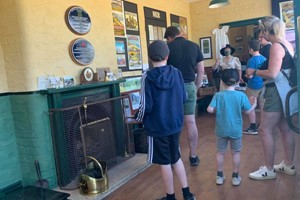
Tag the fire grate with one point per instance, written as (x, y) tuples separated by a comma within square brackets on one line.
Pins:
[(94, 129)]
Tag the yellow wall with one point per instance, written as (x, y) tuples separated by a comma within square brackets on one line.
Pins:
[(204, 20), (34, 38)]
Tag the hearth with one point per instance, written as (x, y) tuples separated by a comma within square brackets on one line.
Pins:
[(86, 121)]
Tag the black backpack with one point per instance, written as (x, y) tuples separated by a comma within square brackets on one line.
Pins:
[(293, 73)]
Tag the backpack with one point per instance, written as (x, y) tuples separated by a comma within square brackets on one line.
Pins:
[(292, 78)]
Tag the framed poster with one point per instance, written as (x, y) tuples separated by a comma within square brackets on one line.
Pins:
[(282, 9), (205, 47), (181, 23), (78, 20), (118, 17), (131, 21), (121, 52), (134, 52), (286, 11)]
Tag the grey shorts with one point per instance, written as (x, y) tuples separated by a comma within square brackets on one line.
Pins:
[(272, 100), (190, 104), (235, 144)]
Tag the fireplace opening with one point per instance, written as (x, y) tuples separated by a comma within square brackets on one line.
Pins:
[(94, 129)]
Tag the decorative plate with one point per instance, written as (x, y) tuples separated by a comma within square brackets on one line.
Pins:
[(78, 20)]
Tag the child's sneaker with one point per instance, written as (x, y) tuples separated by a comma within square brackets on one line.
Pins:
[(236, 181), (194, 161), (263, 174), (250, 131), (282, 167), (220, 180), (190, 197)]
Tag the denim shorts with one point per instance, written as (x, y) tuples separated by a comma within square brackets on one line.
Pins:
[(235, 144), (272, 100), (190, 104)]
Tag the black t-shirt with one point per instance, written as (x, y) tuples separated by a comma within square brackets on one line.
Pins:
[(184, 55), (265, 51)]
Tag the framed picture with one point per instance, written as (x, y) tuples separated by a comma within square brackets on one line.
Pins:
[(121, 52), (284, 9), (238, 39), (239, 49), (205, 47), (132, 103)]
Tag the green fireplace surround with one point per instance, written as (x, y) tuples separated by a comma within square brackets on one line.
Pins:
[(25, 133)]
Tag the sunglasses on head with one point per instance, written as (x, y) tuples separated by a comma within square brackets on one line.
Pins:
[(264, 29)]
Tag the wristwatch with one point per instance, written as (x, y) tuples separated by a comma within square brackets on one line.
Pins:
[(254, 73)]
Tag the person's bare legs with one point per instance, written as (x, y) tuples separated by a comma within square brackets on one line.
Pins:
[(252, 117), (192, 134), (180, 173), (167, 175), (236, 155), (269, 120), (288, 141), (220, 161)]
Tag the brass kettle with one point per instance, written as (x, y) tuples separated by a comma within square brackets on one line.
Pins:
[(94, 179)]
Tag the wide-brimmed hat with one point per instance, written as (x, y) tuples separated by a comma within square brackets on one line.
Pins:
[(222, 51)]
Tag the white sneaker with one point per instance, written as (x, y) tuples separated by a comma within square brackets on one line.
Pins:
[(220, 180), (263, 174), (282, 167), (236, 181)]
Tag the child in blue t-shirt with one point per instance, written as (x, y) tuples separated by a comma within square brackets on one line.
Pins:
[(255, 83), (228, 106)]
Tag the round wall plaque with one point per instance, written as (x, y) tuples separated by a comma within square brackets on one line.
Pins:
[(78, 20), (82, 51)]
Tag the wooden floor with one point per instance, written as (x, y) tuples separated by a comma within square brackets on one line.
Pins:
[(149, 185)]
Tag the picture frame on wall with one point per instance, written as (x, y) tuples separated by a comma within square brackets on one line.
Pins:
[(239, 49), (286, 13), (239, 39), (286, 6), (205, 47), (121, 52)]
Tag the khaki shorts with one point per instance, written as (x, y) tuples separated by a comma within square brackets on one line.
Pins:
[(272, 100), (190, 104), (251, 92)]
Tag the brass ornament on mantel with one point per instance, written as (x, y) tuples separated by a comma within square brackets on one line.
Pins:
[(88, 76)]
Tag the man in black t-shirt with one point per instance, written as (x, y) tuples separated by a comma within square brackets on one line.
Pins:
[(264, 49), (186, 56)]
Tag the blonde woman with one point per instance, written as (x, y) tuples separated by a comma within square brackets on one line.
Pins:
[(275, 90)]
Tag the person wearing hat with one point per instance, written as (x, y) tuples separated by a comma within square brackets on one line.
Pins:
[(228, 62), (161, 111), (186, 56), (228, 106)]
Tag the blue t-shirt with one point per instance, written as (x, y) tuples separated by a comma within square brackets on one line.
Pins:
[(229, 106), (255, 62)]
